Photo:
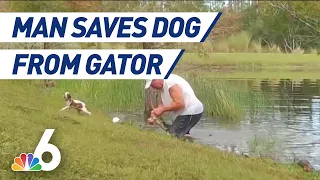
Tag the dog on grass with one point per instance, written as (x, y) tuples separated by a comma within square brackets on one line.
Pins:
[(74, 104)]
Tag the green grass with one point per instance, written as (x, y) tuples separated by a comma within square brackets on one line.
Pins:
[(217, 98), (257, 60), (94, 148), (220, 98), (240, 42), (271, 75), (226, 100), (266, 146), (110, 95)]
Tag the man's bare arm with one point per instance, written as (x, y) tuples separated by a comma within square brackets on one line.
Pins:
[(177, 97)]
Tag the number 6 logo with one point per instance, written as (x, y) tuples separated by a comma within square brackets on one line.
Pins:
[(43, 147)]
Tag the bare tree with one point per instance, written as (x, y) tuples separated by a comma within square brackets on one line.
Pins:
[(308, 21)]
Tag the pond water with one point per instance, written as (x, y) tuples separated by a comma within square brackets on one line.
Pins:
[(286, 128)]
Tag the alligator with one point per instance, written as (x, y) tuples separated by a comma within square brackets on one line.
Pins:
[(305, 164)]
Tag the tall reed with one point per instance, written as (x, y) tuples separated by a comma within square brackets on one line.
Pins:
[(225, 100), (219, 97), (110, 95)]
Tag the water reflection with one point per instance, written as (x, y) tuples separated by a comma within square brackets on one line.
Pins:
[(294, 119)]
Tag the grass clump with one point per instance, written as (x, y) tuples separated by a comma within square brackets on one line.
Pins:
[(265, 147), (94, 148), (217, 99), (233, 44), (110, 95), (255, 47), (239, 42), (224, 100), (298, 50)]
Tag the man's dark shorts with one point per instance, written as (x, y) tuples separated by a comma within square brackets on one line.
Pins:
[(182, 124)]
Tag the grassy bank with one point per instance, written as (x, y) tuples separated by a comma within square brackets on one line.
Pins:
[(251, 60), (94, 148), (271, 75)]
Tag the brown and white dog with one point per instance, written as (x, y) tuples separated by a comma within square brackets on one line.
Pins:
[(74, 104)]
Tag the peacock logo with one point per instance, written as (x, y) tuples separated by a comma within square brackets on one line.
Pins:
[(33, 161), (26, 163)]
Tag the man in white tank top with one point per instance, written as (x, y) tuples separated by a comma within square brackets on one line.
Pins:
[(179, 99)]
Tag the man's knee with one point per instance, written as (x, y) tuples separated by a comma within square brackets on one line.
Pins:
[(173, 129), (177, 129)]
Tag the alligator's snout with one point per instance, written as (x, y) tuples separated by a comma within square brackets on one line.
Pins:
[(305, 164)]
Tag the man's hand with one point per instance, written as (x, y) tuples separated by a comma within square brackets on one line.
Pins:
[(151, 120), (158, 111)]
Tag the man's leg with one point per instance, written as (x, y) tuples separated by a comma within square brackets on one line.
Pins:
[(183, 124), (179, 126), (194, 120), (168, 127)]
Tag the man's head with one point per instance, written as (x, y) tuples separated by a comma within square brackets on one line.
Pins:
[(154, 83)]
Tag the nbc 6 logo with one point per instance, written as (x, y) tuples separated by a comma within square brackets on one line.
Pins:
[(34, 162)]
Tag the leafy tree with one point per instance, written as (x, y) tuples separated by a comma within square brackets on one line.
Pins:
[(289, 25)]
